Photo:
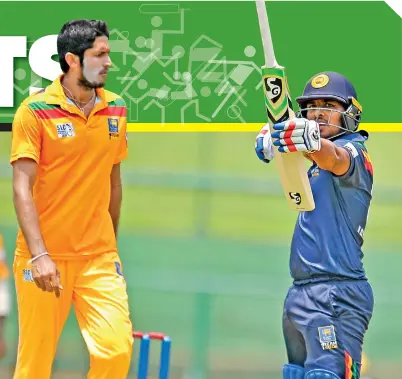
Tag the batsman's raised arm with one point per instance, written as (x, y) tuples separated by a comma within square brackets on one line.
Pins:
[(331, 158)]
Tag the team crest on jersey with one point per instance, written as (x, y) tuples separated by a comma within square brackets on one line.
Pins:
[(327, 337), (27, 275), (315, 171), (113, 127), (65, 130)]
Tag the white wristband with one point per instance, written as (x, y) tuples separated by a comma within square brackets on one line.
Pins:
[(37, 257)]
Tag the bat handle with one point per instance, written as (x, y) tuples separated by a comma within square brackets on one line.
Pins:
[(270, 60)]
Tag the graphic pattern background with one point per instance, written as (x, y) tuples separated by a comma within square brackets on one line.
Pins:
[(201, 61)]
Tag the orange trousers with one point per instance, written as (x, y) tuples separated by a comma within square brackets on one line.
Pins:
[(97, 289)]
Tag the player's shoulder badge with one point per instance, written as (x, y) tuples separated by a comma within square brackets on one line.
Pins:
[(327, 337)]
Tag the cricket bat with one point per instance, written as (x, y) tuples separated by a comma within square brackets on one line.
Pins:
[(291, 166)]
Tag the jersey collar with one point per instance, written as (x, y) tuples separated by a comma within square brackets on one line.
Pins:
[(55, 95)]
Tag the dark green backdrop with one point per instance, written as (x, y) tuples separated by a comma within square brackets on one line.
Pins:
[(218, 43)]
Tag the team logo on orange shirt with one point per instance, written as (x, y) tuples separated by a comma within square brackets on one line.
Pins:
[(65, 130), (113, 127)]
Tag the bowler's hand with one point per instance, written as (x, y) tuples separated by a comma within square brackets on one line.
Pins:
[(298, 134), (263, 145), (46, 275)]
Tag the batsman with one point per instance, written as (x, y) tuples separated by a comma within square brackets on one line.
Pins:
[(328, 308)]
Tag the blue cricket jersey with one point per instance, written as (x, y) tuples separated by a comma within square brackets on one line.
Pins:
[(327, 241)]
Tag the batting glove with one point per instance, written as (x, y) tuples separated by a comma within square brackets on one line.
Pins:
[(263, 145), (298, 134)]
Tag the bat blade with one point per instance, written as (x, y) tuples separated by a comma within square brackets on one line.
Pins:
[(291, 166)]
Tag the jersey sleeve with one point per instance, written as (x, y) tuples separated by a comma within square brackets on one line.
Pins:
[(26, 136), (123, 147), (360, 172)]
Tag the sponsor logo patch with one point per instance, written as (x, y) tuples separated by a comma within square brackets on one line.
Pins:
[(349, 146), (65, 130), (295, 197), (27, 275)]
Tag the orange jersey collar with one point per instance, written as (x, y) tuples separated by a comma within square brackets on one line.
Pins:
[(55, 95)]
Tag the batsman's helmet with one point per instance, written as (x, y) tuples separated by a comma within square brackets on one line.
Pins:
[(333, 86)]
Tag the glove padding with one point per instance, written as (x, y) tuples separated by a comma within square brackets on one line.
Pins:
[(298, 134), (263, 145)]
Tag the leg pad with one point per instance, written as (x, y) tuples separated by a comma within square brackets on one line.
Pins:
[(321, 374), (290, 371)]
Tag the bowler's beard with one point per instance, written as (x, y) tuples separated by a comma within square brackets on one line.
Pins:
[(86, 80), (86, 84)]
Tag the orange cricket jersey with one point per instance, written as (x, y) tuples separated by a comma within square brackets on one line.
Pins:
[(4, 273), (75, 156)]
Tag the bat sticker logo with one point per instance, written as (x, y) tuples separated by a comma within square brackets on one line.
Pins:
[(295, 197), (273, 87)]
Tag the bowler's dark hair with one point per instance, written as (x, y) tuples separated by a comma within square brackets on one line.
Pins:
[(76, 36)]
